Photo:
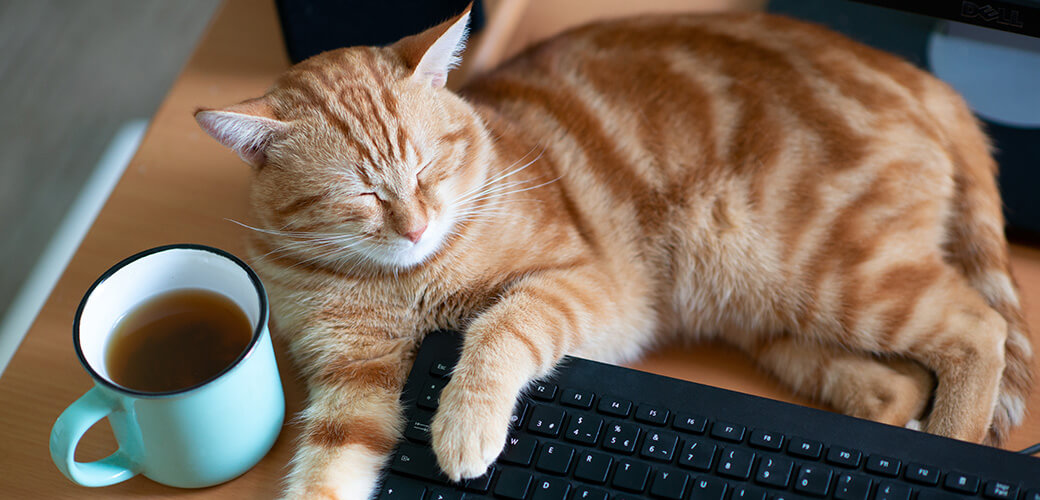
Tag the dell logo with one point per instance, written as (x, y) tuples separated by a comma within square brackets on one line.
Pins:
[(990, 14)]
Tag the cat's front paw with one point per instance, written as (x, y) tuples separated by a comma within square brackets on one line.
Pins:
[(469, 429)]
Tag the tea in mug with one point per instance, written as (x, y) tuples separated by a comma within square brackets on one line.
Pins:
[(177, 340)]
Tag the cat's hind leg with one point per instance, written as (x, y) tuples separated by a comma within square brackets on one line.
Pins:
[(893, 391)]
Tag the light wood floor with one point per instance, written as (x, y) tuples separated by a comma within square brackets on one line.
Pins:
[(72, 72)]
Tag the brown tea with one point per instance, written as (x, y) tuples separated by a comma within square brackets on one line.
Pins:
[(176, 340)]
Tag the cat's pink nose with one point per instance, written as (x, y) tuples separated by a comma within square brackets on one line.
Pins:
[(415, 234)]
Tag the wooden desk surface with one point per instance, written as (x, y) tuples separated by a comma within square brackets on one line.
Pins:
[(181, 187)]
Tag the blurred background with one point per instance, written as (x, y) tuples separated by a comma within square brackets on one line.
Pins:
[(80, 80)]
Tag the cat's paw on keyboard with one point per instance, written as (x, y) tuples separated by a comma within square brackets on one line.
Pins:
[(469, 430)]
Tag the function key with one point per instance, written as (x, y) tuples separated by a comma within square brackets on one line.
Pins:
[(651, 414), (690, 423), (614, 406), (963, 483), (440, 369), (813, 480), (885, 466), (999, 490), (546, 420), (729, 432), (577, 399), (543, 391), (845, 457), (805, 448), (766, 440), (891, 491), (922, 474)]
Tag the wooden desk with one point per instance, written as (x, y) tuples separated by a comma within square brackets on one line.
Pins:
[(181, 187)]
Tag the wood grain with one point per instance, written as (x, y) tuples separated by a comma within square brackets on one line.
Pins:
[(181, 187)]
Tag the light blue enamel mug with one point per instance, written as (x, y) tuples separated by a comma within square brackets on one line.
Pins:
[(190, 438)]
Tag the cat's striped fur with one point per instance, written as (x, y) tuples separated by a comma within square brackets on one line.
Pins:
[(826, 207)]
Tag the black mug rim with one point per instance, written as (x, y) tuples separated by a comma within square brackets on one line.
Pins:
[(257, 333)]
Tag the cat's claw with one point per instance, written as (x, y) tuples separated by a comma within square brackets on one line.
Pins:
[(468, 434)]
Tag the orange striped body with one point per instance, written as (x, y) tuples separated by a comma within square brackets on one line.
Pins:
[(826, 207)]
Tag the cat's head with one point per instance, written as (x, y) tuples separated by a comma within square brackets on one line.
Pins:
[(360, 154)]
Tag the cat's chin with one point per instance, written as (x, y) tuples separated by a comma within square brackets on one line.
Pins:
[(402, 254)]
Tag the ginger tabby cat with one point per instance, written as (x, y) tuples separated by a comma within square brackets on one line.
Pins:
[(825, 207)]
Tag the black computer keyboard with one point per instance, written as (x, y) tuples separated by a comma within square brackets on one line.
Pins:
[(600, 432)]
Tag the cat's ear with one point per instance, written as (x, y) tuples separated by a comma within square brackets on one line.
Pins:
[(434, 52), (247, 128)]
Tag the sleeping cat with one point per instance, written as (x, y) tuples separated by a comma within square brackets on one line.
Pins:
[(825, 207)]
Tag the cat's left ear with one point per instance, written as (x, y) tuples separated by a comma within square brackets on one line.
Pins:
[(434, 52), (247, 128)]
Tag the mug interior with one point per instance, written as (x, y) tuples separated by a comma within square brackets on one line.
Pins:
[(141, 277)]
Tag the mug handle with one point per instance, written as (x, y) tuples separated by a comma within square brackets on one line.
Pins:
[(69, 429)]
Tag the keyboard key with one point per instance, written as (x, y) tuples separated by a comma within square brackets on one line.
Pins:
[(931, 494), (999, 490), (922, 474), (577, 399), (708, 488), (440, 369), (399, 488), (852, 487), (690, 423), (631, 476), (614, 406), (584, 429), (480, 484), (845, 457), (519, 450), (659, 445), (543, 391), (555, 459), (551, 489), (884, 466), (621, 437), (766, 440), (593, 467), (651, 415), (813, 480), (669, 484), (697, 454), (428, 399), (513, 484), (805, 448), (546, 420), (745, 492), (774, 471), (892, 491), (418, 429), (444, 494), (735, 463), (963, 483), (729, 432), (583, 493), (519, 412), (418, 461)]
